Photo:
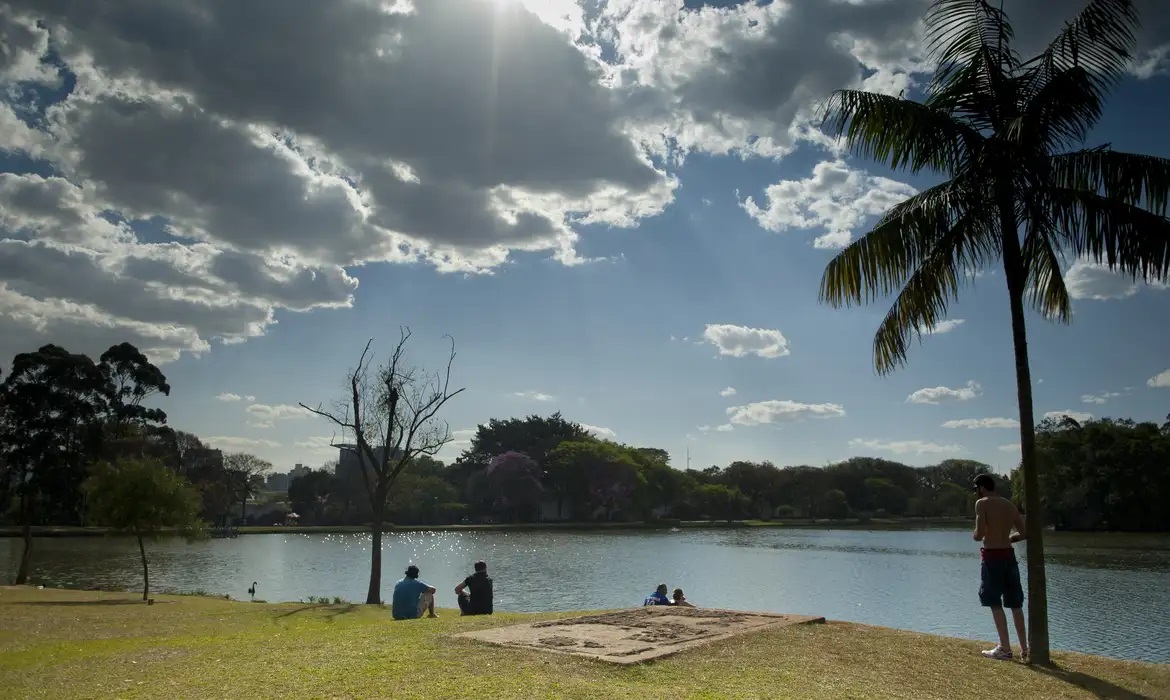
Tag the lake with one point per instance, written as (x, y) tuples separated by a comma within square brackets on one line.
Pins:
[(1107, 593)]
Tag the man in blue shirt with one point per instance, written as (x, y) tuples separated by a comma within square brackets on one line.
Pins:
[(658, 597), (412, 597)]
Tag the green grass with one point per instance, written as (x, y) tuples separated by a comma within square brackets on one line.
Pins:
[(74, 644)]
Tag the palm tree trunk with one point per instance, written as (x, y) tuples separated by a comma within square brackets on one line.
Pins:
[(1013, 265), (374, 594), (145, 570)]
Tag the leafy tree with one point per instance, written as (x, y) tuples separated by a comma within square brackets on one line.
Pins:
[(246, 474), (1009, 135), (423, 499), (759, 482), (131, 380), (392, 415), (593, 475), (884, 495), (513, 483), (534, 436), (310, 493), (142, 497), (717, 501), (49, 404), (833, 505)]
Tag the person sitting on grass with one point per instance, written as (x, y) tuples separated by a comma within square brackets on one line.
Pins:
[(479, 600), (658, 597), (412, 597), (680, 599)]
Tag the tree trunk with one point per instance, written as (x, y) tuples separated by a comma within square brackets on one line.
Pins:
[(26, 518), (243, 509), (1013, 264), (25, 556), (145, 570), (374, 594)]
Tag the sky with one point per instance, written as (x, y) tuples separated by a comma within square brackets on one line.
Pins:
[(619, 210)]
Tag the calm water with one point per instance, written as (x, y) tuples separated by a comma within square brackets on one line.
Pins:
[(1108, 594)]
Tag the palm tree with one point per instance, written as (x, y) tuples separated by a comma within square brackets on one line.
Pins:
[(1022, 190)]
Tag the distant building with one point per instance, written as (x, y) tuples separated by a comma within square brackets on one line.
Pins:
[(298, 471), (350, 463), (278, 481)]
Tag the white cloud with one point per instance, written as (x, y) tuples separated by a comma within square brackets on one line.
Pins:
[(835, 198), (1010, 447), (903, 447), (265, 416), (1090, 280), (460, 441), (765, 412), (945, 326), (741, 341), (1103, 397), (318, 443), (239, 443), (264, 188), (977, 423), (1078, 416), (729, 391), (533, 396), (604, 433), (229, 397), (1160, 380), (724, 428), (260, 176), (942, 394), (86, 283)]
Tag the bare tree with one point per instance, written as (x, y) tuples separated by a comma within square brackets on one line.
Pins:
[(391, 412)]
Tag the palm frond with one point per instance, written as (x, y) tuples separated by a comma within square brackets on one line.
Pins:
[(1061, 114), (901, 133), (1132, 178), (1127, 238), (1041, 253), (879, 262), (960, 31), (934, 284), (1100, 40), (971, 42)]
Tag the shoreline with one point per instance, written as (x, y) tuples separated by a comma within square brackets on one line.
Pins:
[(664, 525)]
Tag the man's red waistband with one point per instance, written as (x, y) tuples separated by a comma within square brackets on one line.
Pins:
[(996, 554)]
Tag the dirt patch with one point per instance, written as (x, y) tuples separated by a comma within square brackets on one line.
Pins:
[(634, 635)]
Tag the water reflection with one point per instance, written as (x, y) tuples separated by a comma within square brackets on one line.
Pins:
[(1107, 596)]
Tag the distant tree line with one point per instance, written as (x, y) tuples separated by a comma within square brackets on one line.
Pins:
[(551, 469), (1104, 474)]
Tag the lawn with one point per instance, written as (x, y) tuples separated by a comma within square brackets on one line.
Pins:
[(73, 644)]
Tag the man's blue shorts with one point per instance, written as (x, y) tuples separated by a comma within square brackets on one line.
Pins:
[(999, 580)]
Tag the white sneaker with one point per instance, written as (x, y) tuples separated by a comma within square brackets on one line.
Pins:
[(998, 653)]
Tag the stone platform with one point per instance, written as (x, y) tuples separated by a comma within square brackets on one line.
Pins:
[(634, 635)]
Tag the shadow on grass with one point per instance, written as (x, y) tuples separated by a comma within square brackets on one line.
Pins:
[(79, 603), (1097, 686), (333, 610)]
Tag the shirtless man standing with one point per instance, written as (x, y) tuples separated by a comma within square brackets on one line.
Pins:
[(995, 517)]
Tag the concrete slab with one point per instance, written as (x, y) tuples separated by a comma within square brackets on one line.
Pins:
[(634, 635)]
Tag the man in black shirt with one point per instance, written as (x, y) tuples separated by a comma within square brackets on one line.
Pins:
[(479, 601)]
